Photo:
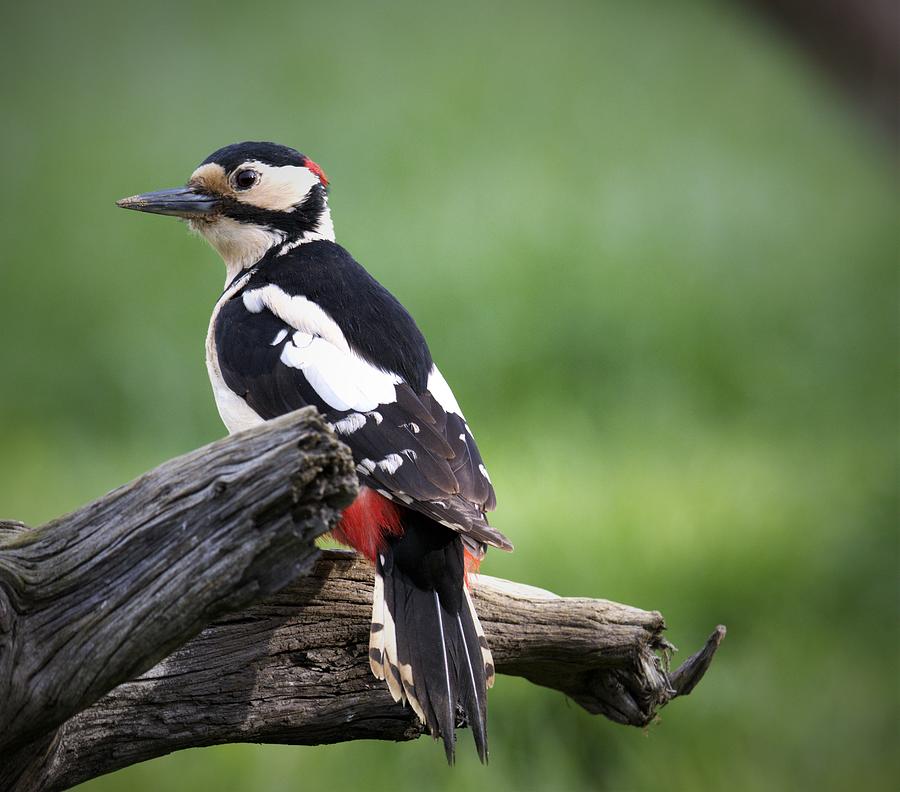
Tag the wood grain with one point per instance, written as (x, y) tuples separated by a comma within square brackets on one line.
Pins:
[(97, 597), (191, 608)]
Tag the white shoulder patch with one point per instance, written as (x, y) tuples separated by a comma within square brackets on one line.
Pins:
[(299, 312), (439, 388), (342, 379), (319, 349)]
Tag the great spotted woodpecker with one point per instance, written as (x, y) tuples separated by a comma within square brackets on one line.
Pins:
[(300, 322)]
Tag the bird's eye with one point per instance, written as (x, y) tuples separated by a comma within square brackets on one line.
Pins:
[(245, 179)]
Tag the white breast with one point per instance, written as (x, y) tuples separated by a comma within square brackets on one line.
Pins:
[(235, 412)]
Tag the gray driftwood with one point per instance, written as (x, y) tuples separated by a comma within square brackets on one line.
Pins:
[(98, 597)]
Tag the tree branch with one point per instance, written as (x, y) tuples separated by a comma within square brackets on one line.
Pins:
[(294, 670), (97, 597)]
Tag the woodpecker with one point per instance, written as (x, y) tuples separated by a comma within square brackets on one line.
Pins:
[(299, 323)]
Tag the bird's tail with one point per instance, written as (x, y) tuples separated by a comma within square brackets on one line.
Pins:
[(426, 641)]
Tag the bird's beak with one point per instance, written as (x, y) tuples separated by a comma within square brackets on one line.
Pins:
[(180, 202)]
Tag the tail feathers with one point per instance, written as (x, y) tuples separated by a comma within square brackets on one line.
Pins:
[(473, 671), (383, 640), (431, 655), (487, 659)]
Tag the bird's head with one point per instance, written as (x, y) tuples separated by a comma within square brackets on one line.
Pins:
[(247, 198)]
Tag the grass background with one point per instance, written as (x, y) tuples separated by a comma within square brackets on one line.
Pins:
[(654, 253)]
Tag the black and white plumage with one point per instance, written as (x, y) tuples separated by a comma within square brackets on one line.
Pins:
[(368, 371), (302, 323)]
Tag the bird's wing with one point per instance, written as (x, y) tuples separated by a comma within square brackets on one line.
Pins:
[(413, 447)]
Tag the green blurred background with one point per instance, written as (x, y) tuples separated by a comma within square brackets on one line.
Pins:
[(655, 254)]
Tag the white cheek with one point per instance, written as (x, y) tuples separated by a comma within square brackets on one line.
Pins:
[(280, 189)]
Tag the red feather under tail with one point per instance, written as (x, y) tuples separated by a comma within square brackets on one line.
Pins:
[(371, 519), (368, 522)]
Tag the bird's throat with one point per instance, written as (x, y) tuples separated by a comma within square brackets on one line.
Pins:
[(242, 245)]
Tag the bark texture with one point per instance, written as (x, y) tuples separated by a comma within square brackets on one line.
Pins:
[(294, 669), (192, 608), (97, 597)]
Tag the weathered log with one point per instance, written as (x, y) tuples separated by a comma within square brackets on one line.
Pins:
[(294, 670), (99, 596), (93, 599)]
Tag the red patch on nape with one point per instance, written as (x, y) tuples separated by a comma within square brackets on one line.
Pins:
[(308, 163), (367, 522)]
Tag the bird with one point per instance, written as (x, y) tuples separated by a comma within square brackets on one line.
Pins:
[(300, 322)]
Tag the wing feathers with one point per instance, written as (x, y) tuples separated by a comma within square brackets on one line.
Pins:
[(280, 352)]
